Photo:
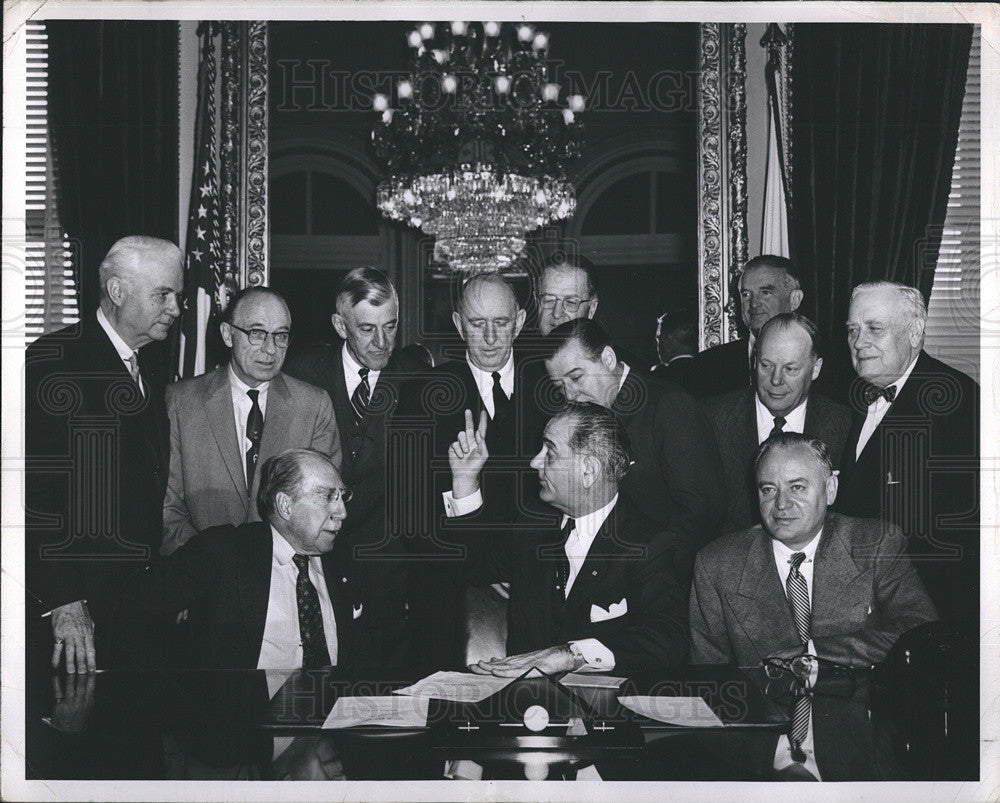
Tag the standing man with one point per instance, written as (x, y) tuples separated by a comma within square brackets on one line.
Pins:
[(913, 455), (769, 285), (488, 319), (786, 361), (566, 290), (676, 347), (362, 375), (223, 424), (97, 448), (677, 478)]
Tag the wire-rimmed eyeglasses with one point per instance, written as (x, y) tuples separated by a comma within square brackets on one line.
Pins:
[(571, 305)]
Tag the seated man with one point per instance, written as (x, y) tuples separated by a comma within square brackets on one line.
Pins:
[(807, 580), (596, 587)]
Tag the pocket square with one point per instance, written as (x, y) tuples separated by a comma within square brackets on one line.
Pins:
[(616, 609), (358, 610)]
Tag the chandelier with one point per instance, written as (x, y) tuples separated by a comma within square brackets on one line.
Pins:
[(476, 145)]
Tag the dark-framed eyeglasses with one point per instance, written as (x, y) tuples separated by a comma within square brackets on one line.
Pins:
[(571, 305), (258, 337)]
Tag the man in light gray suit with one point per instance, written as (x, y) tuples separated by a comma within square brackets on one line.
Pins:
[(225, 423)]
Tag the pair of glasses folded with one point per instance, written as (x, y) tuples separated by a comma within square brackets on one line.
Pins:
[(830, 679)]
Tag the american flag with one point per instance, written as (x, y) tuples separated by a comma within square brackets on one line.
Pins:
[(201, 346)]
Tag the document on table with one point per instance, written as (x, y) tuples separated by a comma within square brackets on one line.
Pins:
[(461, 687), (691, 712), (590, 680), (395, 712)]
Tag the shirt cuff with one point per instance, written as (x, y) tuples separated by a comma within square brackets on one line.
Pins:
[(461, 507), (60, 607), (597, 656)]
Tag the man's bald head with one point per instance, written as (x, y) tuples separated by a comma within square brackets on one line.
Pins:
[(488, 318)]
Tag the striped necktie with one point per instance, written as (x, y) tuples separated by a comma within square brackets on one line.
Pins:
[(361, 396), (798, 595)]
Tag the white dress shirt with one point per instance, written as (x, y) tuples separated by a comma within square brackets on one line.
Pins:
[(352, 377), (782, 560), (241, 409), (282, 644), (877, 410), (484, 381), (125, 351), (795, 421)]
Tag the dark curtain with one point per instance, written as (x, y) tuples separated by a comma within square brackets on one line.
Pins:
[(113, 117), (875, 115)]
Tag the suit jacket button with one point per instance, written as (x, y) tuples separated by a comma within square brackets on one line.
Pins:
[(343, 579)]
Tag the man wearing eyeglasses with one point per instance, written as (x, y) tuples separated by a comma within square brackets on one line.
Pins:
[(225, 423), (567, 289)]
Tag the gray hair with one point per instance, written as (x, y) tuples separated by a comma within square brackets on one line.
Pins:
[(787, 440), (282, 473), (364, 284), (910, 298), (123, 255), (599, 433)]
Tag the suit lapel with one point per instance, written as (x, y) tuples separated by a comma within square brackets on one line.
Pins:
[(342, 409), (221, 417), (760, 601), (745, 435), (833, 592), (277, 419), (254, 583), (609, 545)]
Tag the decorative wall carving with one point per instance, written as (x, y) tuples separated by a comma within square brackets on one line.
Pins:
[(254, 200)]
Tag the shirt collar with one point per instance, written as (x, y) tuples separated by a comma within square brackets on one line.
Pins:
[(782, 554), (125, 351), (621, 382), (795, 420), (484, 379), (282, 550), (587, 527), (240, 387), (679, 357), (353, 368)]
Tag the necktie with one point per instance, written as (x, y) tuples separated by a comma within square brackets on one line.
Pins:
[(361, 396), (871, 392), (798, 596), (779, 426), (314, 651), (562, 562), (500, 400), (133, 368), (255, 428)]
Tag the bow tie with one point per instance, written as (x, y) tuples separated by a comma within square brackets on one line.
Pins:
[(871, 392)]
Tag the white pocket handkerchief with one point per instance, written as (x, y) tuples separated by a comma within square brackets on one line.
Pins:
[(358, 610), (616, 609)]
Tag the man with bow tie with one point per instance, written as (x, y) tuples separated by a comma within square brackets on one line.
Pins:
[(912, 458), (594, 586)]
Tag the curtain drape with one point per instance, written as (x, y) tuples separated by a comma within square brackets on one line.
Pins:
[(875, 114), (113, 118)]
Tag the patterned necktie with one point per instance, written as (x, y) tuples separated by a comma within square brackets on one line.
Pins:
[(361, 396), (798, 595), (133, 368), (779, 426), (871, 392), (314, 651), (562, 562), (500, 400), (255, 428)]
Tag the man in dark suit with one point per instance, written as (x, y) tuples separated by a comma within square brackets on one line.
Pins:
[(96, 455), (861, 589), (224, 423), (913, 455), (363, 375), (677, 477), (806, 585), (566, 289), (430, 412), (676, 347), (598, 588), (787, 362), (769, 285)]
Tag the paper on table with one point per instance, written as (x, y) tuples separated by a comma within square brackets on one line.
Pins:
[(591, 681), (397, 712), (461, 687), (692, 712)]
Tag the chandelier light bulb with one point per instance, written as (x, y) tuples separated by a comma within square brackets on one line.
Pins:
[(440, 56), (524, 33), (449, 84), (414, 39), (426, 31), (567, 116), (405, 90), (502, 84), (541, 41), (458, 28), (380, 103), (491, 29), (387, 116), (550, 92), (576, 102)]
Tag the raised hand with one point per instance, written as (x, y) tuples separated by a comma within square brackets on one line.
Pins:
[(467, 456)]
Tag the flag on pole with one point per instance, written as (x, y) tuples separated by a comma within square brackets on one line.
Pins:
[(201, 346), (777, 189)]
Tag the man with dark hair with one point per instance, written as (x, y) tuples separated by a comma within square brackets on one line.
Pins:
[(488, 319), (96, 452), (597, 588), (767, 286), (566, 289), (224, 423), (913, 455), (677, 478), (807, 583), (786, 361), (363, 374), (676, 347)]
